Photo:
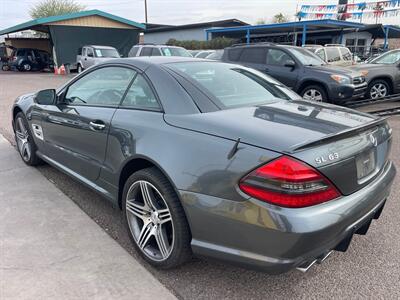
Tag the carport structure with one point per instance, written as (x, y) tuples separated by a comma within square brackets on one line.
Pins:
[(67, 33), (299, 30)]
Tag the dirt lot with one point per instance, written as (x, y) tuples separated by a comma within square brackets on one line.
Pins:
[(369, 269)]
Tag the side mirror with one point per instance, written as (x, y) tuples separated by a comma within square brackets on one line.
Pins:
[(90, 54), (290, 64), (46, 97)]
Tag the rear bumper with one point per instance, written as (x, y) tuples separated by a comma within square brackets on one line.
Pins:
[(275, 239)]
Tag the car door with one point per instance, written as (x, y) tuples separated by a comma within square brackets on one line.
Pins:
[(282, 66), (89, 58), (76, 129)]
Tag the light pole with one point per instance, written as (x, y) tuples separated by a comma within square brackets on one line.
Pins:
[(145, 10)]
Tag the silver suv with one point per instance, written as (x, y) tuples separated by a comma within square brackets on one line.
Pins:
[(158, 50), (333, 54)]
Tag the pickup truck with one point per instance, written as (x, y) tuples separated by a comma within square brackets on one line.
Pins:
[(91, 55)]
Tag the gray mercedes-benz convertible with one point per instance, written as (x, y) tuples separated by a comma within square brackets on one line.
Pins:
[(213, 159)]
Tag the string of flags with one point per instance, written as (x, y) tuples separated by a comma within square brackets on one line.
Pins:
[(388, 8)]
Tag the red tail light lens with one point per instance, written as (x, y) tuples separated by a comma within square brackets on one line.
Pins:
[(288, 182)]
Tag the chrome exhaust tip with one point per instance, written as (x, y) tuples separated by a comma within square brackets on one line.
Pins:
[(306, 266)]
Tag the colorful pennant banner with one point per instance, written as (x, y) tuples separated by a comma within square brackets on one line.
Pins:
[(388, 8)]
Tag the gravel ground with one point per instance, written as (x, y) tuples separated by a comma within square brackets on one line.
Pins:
[(369, 269)]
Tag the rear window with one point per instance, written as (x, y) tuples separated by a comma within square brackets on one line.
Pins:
[(346, 54), (175, 51), (133, 51), (256, 55), (332, 54), (232, 85)]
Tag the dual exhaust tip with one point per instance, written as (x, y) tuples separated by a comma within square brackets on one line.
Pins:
[(306, 266)]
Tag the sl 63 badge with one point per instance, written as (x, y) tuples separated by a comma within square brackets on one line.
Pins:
[(326, 158)]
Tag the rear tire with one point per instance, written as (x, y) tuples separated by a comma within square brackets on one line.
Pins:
[(25, 144), (378, 89), (157, 227), (314, 93)]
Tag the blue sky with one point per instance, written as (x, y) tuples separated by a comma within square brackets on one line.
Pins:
[(13, 12)]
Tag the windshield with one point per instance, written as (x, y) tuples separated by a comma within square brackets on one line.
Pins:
[(387, 58), (232, 85), (306, 57), (175, 51), (106, 52), (217, 55)]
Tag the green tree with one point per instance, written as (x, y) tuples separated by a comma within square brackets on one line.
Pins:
[(261, 22), (279, 18), (47, 8)]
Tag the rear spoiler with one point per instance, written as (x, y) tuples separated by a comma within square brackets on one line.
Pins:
[(336, 136)]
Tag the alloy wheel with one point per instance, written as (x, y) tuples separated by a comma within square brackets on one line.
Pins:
[(150, 220), (23, 144), (27, 67), (312, 95), (378, 90)]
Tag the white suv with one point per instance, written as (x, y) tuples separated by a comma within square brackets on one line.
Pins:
[(157, 50), (333, 54)]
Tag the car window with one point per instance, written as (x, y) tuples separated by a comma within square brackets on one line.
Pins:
[(306, 57), (146, 51), (140, 95), (84, 51), (346, 54), (234, 54), (102, 52), (89, 51), (255, 55), (175, 51), (277, 57), (387, 58), (332, 54), (233, 85), (156, 52), (133, 51), (105, 86), (21, 52), (321, 53)]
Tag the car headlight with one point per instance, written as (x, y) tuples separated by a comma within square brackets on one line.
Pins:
[(341, 79)]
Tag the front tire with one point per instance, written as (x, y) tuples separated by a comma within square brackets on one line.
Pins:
[(314, 93), (378, 89), (155, 219), (25, 143), (80, 69), (25, 67)]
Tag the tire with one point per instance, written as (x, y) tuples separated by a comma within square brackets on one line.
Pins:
[(25, 144), (314, 93), (80, 69), (25, 67), (145, 225), (378, 89)]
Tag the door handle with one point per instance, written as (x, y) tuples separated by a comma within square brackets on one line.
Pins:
[(97, 125)]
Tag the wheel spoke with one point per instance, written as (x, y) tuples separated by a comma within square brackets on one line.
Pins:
[(26, 149), (145, 234), (162, 241), (164, 215), (20, 135), (146, 195), (139, 211)]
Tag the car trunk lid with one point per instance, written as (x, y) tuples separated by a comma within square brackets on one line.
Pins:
[(348, 147)]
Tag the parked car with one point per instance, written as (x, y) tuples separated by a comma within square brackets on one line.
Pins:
[(301, 70), (193, 52), (212, 158), (29, 59), (337, 55), (382, 74), (158, 50), (216, 55), (92, 55), (204, 53)]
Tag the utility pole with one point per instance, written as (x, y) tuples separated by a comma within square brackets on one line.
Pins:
[(145, 10)]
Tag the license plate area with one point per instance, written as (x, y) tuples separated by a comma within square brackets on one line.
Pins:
[(366, 165)]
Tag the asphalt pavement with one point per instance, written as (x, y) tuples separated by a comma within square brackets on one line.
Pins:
[(369, 269)]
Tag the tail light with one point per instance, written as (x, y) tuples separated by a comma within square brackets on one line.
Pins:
[(288, 182)]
